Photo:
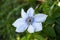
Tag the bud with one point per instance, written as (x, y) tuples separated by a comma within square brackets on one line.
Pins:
[(18, 37), (59, 4)]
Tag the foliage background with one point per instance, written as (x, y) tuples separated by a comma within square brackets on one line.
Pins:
[(10, 11)]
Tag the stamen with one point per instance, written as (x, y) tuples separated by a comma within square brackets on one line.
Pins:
[(29, 20)]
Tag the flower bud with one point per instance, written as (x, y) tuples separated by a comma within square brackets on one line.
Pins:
[(59, 4)]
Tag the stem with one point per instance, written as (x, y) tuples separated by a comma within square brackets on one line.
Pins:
[(28, 36)]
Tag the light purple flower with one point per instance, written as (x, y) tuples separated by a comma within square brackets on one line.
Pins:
[(30, 22)]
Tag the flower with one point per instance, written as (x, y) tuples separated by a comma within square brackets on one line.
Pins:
[(29, 21)]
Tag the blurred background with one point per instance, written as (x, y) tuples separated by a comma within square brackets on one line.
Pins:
[(10, 10)]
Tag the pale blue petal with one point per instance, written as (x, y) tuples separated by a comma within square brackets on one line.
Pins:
[(30, 12), (18, 22), (23, 13), (40, 17), (30, 29), (37, 26), (22, 28)]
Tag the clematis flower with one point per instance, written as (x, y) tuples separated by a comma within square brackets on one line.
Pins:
[(29, 21)]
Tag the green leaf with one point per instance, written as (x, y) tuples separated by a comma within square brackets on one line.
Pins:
[(39, 37), (26, 37), (57, 28), (23, 38), (56, 12), (57, 25), (49, 31), (50, 20)]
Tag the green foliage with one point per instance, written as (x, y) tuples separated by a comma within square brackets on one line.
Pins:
[(10, 10), (50, 31), (57, 28)]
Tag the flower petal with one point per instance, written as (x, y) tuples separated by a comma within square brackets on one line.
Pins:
[(40, 17), (18, 22), (30, 12), (37, 26), (30, 29), (22, 28), (23, 14)]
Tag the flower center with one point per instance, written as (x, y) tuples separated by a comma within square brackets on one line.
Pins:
[(30, 20)]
